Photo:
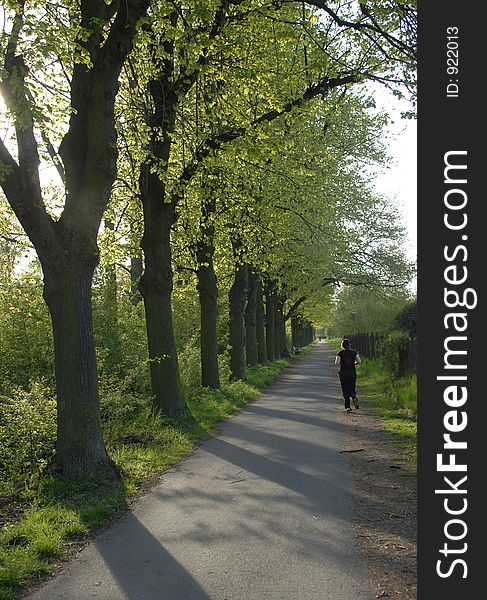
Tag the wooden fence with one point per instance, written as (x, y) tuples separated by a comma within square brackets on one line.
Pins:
[(367, 345)]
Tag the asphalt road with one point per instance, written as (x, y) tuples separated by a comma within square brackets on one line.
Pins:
[(260, 511)]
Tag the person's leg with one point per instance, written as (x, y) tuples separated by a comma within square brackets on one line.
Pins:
[(353, 383), (344, 380)]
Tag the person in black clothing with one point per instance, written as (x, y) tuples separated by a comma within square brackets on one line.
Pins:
[(347, 359)]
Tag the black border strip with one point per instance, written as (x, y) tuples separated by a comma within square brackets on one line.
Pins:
[(451, 119)]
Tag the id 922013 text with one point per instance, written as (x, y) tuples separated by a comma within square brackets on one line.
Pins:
[(452, 62)]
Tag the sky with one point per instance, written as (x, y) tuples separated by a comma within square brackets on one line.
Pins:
[(399, 182)]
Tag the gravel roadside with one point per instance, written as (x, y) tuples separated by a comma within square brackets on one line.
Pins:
[(384, 505)]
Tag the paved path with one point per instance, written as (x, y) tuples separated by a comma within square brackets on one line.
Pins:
[(262, 511)]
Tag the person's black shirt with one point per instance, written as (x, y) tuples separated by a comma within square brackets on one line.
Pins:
[(347, 358)]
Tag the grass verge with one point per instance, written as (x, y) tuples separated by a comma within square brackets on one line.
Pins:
[(44, 523)]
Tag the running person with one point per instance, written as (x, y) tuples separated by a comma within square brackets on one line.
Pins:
[(347, 359)]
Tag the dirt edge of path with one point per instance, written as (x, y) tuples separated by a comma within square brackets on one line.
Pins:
[(384, 505)]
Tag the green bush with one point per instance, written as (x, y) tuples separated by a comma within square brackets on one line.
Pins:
[(27, 433), (393, 350), (405, 320), (121, 342), (224, 365), (25, 334), (189, 365), (124, 415)]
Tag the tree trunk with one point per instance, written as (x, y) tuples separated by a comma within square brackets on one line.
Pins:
[(283, 349), (156, 282), (237, 298), (277, 327), (208, 297), (66, 247), (80, 449), (260, 323), (110, 334), (156, 285), (294, 332), (299, 332), (251, 321), (135, 275), (270, 324)]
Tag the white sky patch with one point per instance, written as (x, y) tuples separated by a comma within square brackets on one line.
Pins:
[(399, 182)]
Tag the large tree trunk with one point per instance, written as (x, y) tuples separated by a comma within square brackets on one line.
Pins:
[(260, 323), (208, 297), (79, 447), (251, 321), (156, 285), (270, 318), (237, 298), (67, 247), (156, 282)]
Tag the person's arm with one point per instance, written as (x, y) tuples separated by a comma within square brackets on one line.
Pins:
[(358, 360), (337, 360)]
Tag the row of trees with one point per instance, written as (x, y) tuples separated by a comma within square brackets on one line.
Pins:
[(363, 310), (223, 141)]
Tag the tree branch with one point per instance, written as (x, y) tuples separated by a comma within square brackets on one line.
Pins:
[(20, 181), (229, 135), (369, 25), (89, 149), (294, 308), (28, 208)]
